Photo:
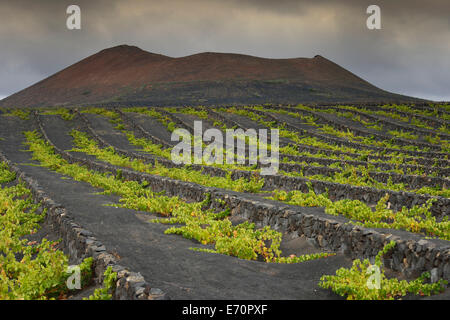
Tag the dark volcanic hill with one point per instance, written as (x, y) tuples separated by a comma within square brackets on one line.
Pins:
[(129, 74)]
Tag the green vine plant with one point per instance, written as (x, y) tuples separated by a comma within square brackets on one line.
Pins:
[(16, 112), (418, 219), (395, 157), (361, 176), (364, 140), (364, 180), (396, 133), (65, 113), (364, 281), (202, 114), (349, 175), (156, 149), (29, 270), (105, 292), (390, 111), (327, 129), (84, 144), (204, 225)]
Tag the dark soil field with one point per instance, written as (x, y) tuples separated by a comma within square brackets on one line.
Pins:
[(106, 177)]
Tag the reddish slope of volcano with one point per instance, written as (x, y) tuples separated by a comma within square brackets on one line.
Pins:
[(127, 73)]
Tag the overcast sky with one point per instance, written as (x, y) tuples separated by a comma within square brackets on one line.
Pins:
[(409, 55)]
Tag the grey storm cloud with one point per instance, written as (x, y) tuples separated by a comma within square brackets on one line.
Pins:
[(409, 55)]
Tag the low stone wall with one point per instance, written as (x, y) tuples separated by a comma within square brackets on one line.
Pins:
[(336, 191), (136, 127), (421, 161), (80, 243), (437, 171), (435, 122), (411, 181), (412, 255), (425, 162), (388, 123), (343, 142), (363, 132), (308, 170)]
